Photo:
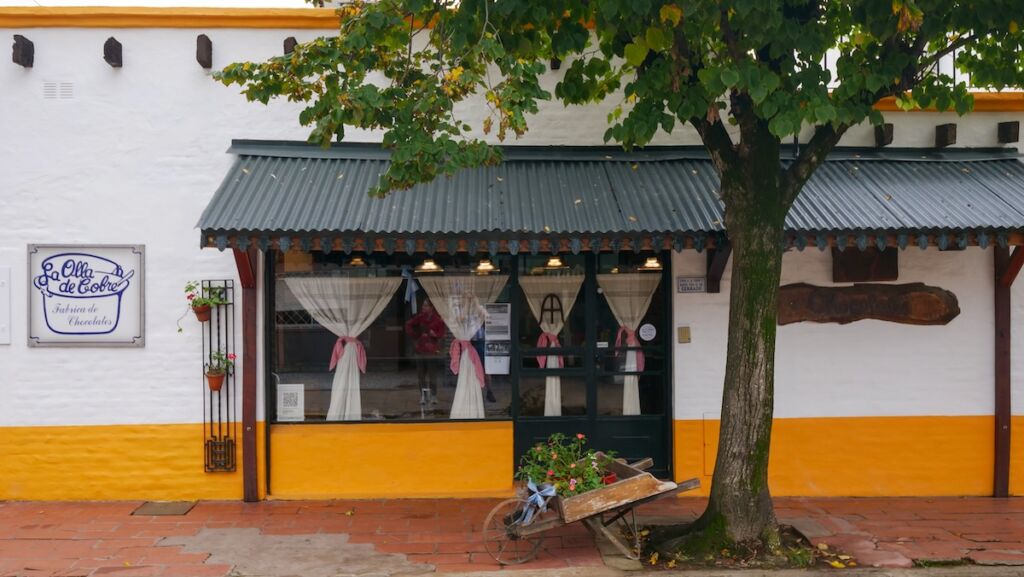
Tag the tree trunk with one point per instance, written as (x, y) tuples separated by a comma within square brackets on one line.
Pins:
[(740, 507)]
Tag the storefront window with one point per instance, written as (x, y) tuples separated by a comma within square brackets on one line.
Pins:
[(631, 313), (367, 337)]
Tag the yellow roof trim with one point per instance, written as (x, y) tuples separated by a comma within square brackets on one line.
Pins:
[(983, 102), (140, 17)]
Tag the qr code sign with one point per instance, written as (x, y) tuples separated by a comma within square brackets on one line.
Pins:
[(290, 399)]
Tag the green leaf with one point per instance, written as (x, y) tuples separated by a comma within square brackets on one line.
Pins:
[(636, 53), (730, 77), (657, 39)]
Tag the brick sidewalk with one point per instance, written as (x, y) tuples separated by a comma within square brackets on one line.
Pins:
[(93, 539)]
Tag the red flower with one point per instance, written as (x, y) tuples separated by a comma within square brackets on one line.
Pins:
[(550, 473), (579, 436), (191, 296), (231, 356)]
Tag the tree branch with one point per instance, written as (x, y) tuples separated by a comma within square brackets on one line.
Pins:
[(718, 142), (958, 43), (810, 158)]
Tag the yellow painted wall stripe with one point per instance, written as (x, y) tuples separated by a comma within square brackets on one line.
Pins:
[(864, 456), (113, 462), (391, 460), (860, 456), (139, 17)]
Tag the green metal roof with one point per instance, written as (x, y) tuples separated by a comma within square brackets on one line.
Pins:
[(287, 188)]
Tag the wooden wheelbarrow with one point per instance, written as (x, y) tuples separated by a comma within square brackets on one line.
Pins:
[(512, 537)]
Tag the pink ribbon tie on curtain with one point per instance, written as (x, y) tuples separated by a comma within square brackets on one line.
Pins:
[(548, 340), (455, 352), (631, 341), (339, 349)]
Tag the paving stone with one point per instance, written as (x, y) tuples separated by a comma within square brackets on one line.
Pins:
[(990, 557)]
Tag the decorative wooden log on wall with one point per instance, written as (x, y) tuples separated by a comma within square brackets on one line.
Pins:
[(24, 53), (911, 304), (204, 51), (112, 52)]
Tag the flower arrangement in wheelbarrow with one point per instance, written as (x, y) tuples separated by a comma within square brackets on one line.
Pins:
[(565, 464)]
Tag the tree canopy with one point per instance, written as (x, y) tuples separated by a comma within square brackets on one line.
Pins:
[(401, 66)]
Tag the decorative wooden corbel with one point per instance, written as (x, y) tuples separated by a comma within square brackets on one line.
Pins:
[(24, 51), (883, 135), (1009, 132), (112, 52), (204, 51), (945, 135)]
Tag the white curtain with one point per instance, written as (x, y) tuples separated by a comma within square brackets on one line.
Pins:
[(536, 289), (460, 300), (346, 307), (629, 296)]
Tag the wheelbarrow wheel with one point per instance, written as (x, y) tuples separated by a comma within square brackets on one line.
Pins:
[(502, 538)]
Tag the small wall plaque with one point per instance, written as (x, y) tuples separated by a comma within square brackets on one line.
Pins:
[(691, 284)]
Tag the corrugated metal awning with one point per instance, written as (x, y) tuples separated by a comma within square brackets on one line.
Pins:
[(573, 197)]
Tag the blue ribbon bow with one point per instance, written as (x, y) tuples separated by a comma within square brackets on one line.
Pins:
[(411, 286), (537, 501)]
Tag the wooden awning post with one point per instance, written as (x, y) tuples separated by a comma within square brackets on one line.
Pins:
[(1006, 269), (246, 262)]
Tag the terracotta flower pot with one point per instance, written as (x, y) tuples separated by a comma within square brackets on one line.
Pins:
[(609, 478), (215, 381), (202, 312)]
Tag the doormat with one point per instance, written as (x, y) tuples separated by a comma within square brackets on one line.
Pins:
[(161, 508)]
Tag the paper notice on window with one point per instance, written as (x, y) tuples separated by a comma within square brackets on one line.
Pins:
[(496, 365), (498, 324), (291, 402)]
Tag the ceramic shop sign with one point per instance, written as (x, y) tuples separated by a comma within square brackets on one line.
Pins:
[(86, 295)]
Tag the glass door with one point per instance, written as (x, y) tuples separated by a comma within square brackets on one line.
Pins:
[(592, 353)]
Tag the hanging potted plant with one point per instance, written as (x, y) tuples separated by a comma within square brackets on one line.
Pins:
[(202, 300), (218, 368)]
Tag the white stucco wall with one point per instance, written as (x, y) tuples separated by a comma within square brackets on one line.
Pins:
[(135, 155), (866, 368)]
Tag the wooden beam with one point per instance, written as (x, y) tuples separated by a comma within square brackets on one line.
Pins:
[(24, 53), (945, 135), (1009, 132), (246, 270), (204, 51), (112, 53), (289, 45), (246, 263), (717, 259), (1012, 268), (883, 135), (1001, 477)]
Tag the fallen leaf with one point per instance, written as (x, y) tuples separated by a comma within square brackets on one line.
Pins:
[(654, 559), (671, 563), (837, 564), (844, 557), (350, 512), (823, 546), (645, 532)]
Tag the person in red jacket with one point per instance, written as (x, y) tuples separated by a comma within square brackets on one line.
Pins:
[(427, 329)]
